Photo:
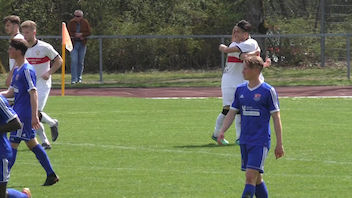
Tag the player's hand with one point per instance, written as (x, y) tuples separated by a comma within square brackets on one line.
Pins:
[(46, 75), (35, 122), (220, 137), (222, 47), (279, 151)]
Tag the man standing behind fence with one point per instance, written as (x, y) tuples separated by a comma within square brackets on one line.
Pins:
[(79, 30)]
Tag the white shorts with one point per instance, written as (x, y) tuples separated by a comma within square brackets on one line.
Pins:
[(229, 84), (43, 89)]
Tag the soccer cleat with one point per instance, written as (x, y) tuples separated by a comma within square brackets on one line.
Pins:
[(223, 141), (46, 146), (54, 130), (237, 141), (51, 180), (27, 192)]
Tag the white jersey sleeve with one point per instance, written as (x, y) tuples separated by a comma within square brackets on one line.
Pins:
[(249, 45)]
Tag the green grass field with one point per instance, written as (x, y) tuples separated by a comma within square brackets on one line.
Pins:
[(132, 147)]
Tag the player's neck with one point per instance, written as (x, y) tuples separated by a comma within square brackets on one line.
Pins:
[(32, 42), (253, 83), (20, 61), (14, 33)]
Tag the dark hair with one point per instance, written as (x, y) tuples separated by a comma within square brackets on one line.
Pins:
[(244, 25), (19, 44), (254, 62), (13, 19)]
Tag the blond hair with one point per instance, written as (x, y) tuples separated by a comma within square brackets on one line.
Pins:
[(254, 62), (29, 24)]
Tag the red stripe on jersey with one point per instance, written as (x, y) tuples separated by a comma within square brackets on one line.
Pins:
[(232, 59), (35, 61)]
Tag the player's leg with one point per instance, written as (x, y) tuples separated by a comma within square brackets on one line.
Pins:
[(74, 62), (261, 190), (218, 124), (12, 193), (254, 167), (53, 123), (3, 189), (81, 55), (43, 159), (42, 136), (15, 141), (43, 94)]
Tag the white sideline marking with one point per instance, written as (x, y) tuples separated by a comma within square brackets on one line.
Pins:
[(298, 97), (188, 171), (161, 150)]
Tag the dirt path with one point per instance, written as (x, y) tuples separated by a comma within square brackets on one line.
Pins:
[(201, 92)]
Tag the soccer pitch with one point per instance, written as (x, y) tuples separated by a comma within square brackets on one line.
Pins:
[(133, 147)]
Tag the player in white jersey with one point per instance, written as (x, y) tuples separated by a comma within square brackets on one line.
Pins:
[(242, 45), (40, 54), (12, 28)]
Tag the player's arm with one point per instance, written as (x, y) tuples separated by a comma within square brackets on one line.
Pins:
[(12, 125), (9, 93), (279, 150), (9, 77), (56, 64), (227, 123), (225, 49), (34, 107)]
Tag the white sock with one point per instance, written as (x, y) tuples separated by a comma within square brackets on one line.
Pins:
[(41, 134), (238, 126), (47, 119), (218, 124)]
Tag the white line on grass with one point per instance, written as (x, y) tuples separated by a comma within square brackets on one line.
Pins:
[(162, 150), (295, 97)]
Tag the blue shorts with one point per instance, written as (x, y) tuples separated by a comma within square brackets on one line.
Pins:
[(4, 170), (26, 133), (253, 157)]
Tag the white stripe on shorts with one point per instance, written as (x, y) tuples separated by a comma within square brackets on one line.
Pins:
[(265, 154), (5, 171)]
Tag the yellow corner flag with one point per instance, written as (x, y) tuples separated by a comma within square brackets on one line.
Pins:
[(66, 43)]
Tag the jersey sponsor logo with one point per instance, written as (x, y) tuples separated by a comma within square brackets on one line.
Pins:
[(257, 97), (249, 111), (36, 61)]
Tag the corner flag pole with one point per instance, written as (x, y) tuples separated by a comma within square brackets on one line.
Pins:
[(66, 43)]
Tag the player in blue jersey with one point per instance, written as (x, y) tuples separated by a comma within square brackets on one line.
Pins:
[(8, 122), (26, 106), (256, 101)]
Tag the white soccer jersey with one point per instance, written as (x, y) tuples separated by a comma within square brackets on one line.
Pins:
[(232, 75), (12, 61), (40, 56)]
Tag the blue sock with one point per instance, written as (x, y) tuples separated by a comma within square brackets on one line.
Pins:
[(43, 159), (13, 158), (261, 191), (12, 193), (248, 191)]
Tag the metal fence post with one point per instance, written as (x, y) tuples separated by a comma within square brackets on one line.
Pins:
[(322, 31), (101, 59), (348, 47), (222, 55)]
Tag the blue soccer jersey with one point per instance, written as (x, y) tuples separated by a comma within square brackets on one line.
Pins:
[(6, 115), (256, 106), (23, 80)]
